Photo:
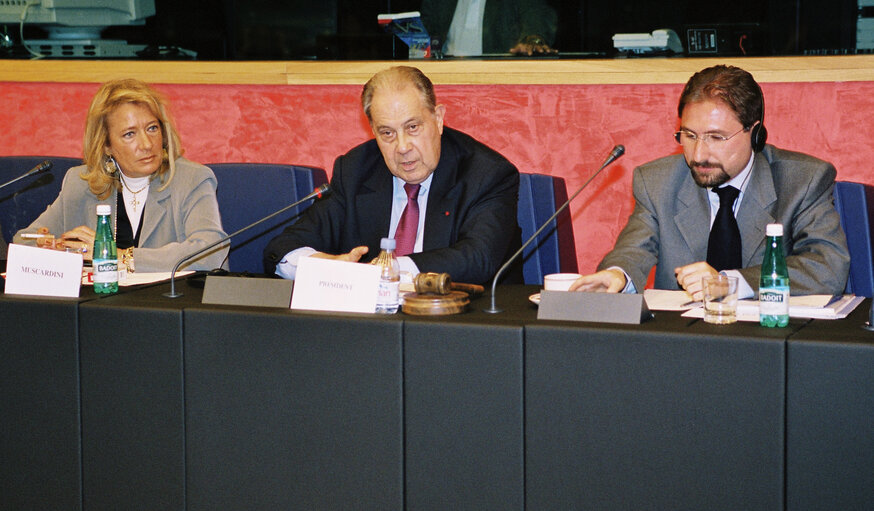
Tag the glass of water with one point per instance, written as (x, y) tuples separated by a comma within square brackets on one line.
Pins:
[(720, 299)]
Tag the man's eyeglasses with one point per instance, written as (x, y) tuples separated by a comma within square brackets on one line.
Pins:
[(686, 137)]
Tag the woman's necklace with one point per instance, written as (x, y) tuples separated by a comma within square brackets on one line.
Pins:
[(133, 202)]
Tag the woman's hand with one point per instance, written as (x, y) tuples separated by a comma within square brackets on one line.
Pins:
[(80, 239)]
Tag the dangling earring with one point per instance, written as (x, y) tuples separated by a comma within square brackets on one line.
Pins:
[(109, 165)]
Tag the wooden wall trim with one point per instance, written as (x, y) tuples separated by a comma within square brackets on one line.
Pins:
[(475, 72)]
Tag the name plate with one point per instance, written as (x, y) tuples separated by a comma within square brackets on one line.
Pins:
[(42, 272), (593, 307), (339, 286), (254, 292)]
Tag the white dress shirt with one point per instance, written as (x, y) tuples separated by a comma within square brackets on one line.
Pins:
[(287, 267), (465, 36)]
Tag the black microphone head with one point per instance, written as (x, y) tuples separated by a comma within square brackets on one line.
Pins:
[(323, 189), (42, 167), (618, 151)]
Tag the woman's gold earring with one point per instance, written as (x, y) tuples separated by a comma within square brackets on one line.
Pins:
[(109, 165)]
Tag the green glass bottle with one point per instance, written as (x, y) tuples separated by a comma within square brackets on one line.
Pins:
[(105, 257), (774, 284)]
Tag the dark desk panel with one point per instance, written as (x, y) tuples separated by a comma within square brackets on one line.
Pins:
[(830, 415), (464, 405), (463, 409), (40, 467), (133, 435), (661, 416), (293, 411)]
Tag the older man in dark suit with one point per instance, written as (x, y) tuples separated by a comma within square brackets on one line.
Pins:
[(449, 201), (726, 165)]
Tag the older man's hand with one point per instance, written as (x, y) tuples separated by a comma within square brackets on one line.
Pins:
[(352, 256)]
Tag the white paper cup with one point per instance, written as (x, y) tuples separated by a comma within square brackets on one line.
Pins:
[(559, 281)]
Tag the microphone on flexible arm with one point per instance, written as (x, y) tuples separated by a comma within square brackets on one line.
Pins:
[(617, 151), (315, 194), (42, 167)]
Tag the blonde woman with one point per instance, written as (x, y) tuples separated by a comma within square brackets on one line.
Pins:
[(163, 206)]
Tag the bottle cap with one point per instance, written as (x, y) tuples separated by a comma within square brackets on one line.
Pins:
[(774, 230), (387, 244), (104, 209)]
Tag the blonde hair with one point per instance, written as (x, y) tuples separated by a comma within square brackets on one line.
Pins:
[(110, 96)]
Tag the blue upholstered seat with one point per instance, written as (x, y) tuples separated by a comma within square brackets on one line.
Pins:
[(250, 191), (23, 201), (855, 205), (554, 251)]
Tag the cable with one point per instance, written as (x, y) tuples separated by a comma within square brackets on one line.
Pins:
[(35, 54)]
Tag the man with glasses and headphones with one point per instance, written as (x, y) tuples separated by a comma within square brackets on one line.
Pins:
[(705, 211)]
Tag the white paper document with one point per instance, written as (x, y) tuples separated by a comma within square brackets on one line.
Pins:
[(138, 278), (810, 306), (669, 300)]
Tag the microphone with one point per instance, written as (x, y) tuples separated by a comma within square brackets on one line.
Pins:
[(42, 167), (317, 193), (617, 151)]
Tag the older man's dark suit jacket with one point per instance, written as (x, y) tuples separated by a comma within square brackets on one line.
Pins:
[(670, 224), (470, 223)]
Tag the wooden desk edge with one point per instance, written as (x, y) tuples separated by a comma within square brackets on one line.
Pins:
[(467, 72)]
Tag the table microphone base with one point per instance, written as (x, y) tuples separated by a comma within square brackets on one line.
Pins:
[(867, 326)]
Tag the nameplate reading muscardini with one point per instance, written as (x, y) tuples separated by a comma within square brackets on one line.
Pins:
[(42, 271)]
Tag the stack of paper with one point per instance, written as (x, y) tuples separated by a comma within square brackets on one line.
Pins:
[(810, 306)]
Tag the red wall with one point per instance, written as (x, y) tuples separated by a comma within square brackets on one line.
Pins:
[(564, 130)]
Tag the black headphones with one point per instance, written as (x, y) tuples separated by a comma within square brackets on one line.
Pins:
[(758, 134)]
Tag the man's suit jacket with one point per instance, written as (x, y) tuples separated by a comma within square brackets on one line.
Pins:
[(470, 222), (504, 22), (177, 221), (670, 224)]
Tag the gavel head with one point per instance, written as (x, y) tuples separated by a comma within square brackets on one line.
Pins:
[(433, 283)]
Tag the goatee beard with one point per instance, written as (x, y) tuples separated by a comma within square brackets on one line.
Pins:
[(709, 181)]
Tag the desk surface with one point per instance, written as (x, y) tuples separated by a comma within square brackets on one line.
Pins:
[(214, 406)]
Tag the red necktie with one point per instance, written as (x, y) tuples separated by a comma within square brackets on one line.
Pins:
[(405, 234)]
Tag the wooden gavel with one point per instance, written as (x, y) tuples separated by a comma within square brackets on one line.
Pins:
[(441, 284)]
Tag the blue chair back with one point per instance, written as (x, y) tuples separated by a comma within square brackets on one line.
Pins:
[(554, 251), (248, 192), (23, 201), (855, 205)]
